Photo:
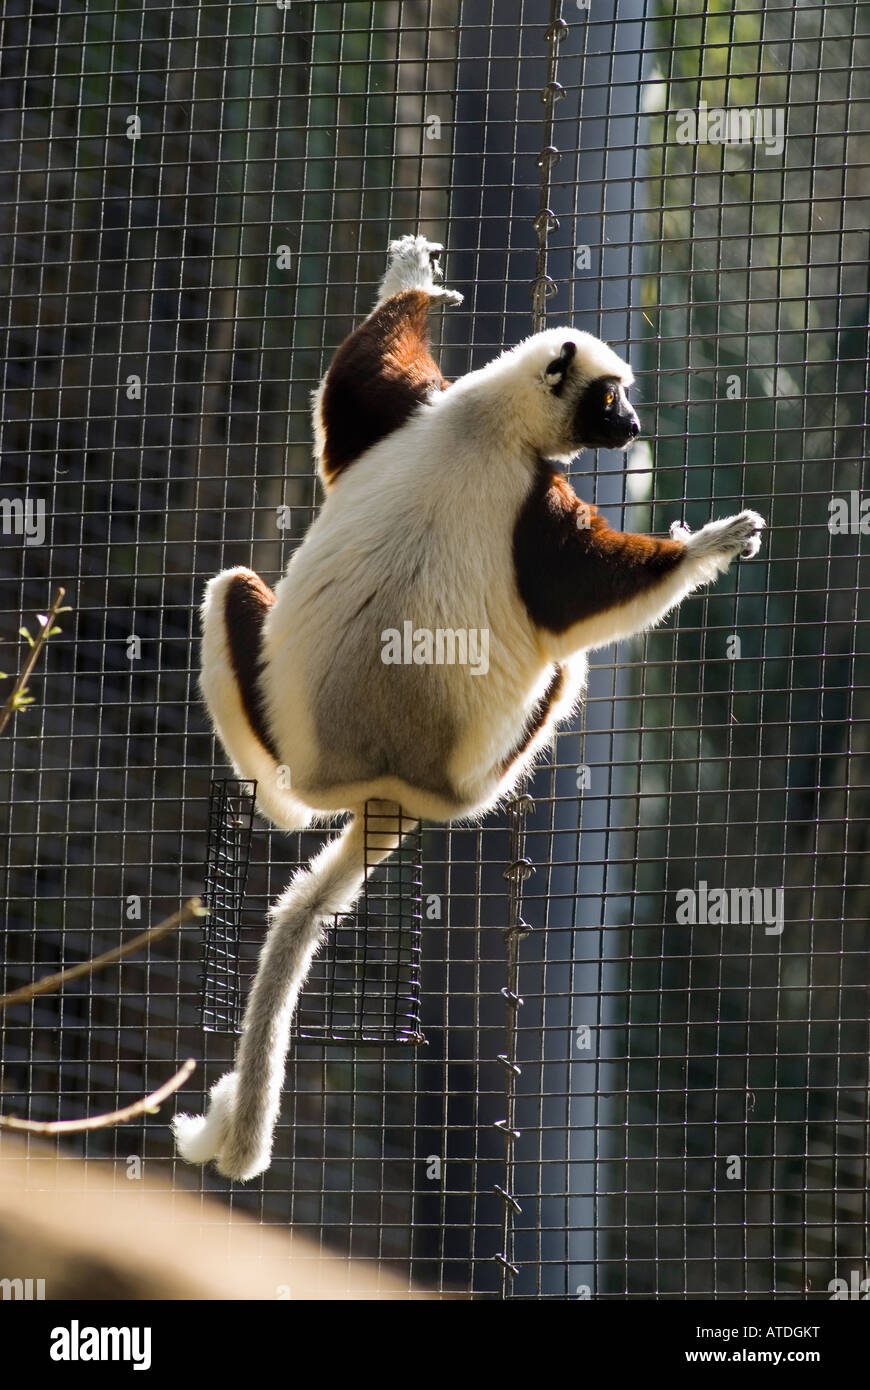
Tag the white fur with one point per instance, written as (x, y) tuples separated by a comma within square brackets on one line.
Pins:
[(201, 1137), (420, 528), (413, 519), (238, 1128), (735, 535), (221, 694), (512, 403), (414, 266)]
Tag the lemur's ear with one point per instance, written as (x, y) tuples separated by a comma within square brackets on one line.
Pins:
[(558, 368)]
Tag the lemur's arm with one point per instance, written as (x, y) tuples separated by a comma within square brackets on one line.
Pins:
[(586, 585), (384, 370)]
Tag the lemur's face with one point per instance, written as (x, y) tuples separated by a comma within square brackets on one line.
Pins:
[(604, 418), (601, 415)]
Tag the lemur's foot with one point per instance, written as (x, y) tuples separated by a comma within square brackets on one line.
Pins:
[(414, 265), (734, 535)]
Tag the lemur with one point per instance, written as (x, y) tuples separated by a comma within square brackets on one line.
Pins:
[(446, 507)]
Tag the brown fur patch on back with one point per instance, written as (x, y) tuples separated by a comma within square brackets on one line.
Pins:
[(247, 602), (379, 375), (570, 564)]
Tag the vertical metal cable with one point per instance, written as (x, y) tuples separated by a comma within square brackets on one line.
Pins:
[(543, 287)]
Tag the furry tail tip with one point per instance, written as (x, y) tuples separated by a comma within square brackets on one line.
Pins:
[(203, 1138), (200, 1138)]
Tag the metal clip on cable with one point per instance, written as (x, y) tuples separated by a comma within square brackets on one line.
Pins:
[(516, 873)]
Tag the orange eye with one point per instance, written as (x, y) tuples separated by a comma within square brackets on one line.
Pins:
[(609, 398)]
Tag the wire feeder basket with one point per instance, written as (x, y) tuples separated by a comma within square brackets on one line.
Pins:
[(364, 986)]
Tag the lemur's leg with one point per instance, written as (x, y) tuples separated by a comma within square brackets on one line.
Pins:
[(236, 606), (384, 370), (586, 585)]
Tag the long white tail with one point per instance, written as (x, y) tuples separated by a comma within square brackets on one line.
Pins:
[(237, 1130)]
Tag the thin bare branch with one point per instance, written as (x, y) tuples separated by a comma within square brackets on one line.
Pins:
[(49, 983), (148, 1105), (36, 649)]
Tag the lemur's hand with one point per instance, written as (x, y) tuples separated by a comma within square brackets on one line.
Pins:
[(735, 535), (414, 266)]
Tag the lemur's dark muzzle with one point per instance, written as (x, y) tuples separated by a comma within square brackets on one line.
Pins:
[(633, 427), (627, 428)]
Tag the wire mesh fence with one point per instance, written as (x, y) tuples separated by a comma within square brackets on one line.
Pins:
[(196, 205)]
